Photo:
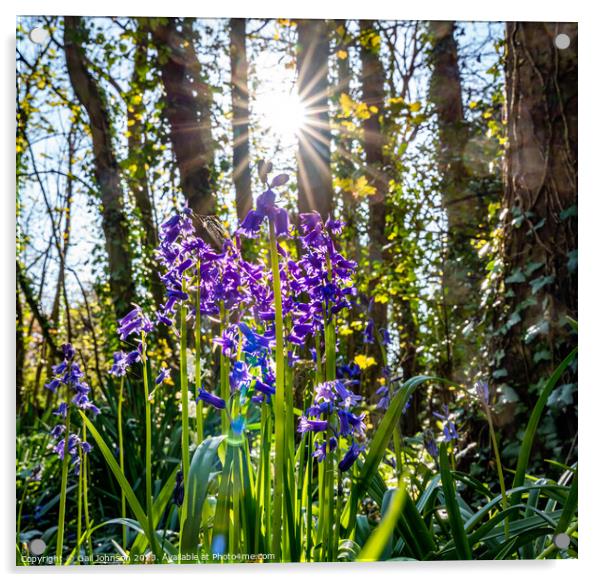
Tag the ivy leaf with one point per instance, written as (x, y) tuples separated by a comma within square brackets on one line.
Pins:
[(542, 355), (532, 267), (540, 328), (562, 396), (568, 212), (572, 261), (514, 319), (517, 276), (540, 283)]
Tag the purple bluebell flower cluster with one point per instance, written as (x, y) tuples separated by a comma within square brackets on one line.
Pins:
[(68, 373), (332, 417), (75, 445)]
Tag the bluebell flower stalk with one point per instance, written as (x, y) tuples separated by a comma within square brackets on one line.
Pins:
[(279, 400), (122, 460), (69, 446), (63, 495), (148, 446), (184, 403), (277, 219), (482, 390), (197, 362)]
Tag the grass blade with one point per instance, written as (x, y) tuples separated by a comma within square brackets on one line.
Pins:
[(451, 503), (527, 444), (121, 479), (202, 463), (377, 542)]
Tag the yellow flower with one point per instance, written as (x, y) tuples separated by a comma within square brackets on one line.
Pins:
[(364, 361)]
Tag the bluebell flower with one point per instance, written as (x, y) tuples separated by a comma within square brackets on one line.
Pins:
[(384, 397), (163, 375), (57, 431), (134, 322), (264, 388), (320, 448), (239, 376), (449, 428), (228, 341), (369, 332), (429, 443), (482, 389), (255, 342), (265, 208), (61, 410), (74, 446), (211, 399), (350, 457), (306, 425)]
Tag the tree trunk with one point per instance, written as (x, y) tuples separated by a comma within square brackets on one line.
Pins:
[(20, 351), (106, 167), (465, 213), (188, 111), (138, 159), (241, 171), (314, 174), (343, 158), (373, 95), (539, 242)]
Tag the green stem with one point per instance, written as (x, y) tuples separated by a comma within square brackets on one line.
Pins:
[(339, 507), (224, 372), (148, 451), (86, 505), (197, 364), (21, 502), (330, 353), (309, 506), (397, 430), (184, 403), (500, 472), (184, 397), (79, 506), (121, 459), (279, 400), (63, 499)]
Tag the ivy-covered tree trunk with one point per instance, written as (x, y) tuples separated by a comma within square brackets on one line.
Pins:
[(20, 350), (188, 111), (464, 210), (373, 95), (241, 171), (314, 174), (539, 240), (106, 167), (139, 159)]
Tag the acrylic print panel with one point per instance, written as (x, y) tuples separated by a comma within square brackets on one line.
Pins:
[(295, 290)]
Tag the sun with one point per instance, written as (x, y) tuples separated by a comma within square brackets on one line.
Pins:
[(282, 113)]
